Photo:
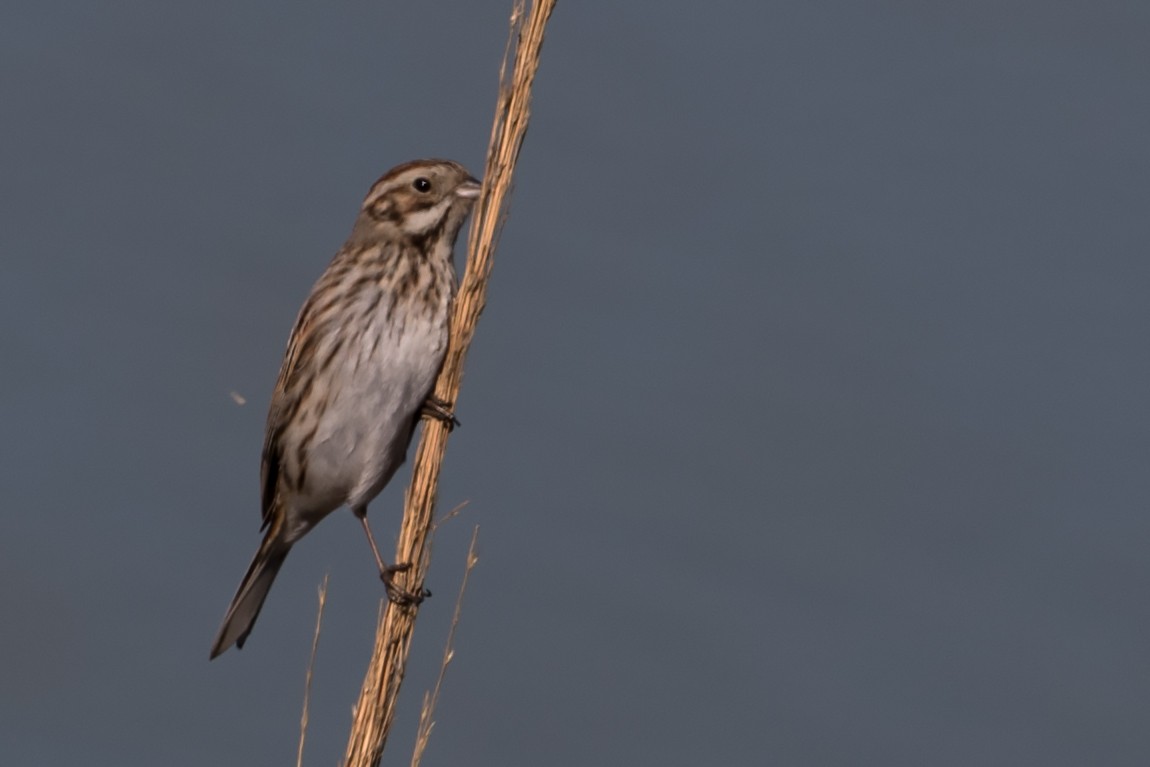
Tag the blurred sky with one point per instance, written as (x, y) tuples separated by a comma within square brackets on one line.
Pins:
[(807, 422)]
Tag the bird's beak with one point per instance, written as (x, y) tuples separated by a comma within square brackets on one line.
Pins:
[(469, 189)]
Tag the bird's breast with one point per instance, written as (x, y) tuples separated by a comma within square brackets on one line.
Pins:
[(377, 385)]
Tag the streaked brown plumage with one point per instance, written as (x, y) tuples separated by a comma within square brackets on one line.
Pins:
[(360, 366)]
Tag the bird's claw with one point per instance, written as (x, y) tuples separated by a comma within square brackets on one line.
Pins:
[(395, 592), (440, 410)]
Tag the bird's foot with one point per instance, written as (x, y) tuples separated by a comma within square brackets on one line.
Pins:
[(395, 592), (440, 410)]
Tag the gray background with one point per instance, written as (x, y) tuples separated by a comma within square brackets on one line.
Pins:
[(806, 424)]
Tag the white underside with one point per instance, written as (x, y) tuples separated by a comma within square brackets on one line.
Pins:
[(363, 436)]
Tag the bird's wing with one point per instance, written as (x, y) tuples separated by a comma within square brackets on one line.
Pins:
[(287, 397)]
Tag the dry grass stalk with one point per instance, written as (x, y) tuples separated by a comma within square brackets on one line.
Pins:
[(375, 708), (310, 668), (426, 722)]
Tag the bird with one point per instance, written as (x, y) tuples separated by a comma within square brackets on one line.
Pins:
[(358, 373)]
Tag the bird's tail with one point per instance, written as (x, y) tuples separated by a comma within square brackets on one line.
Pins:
[(250, 596)]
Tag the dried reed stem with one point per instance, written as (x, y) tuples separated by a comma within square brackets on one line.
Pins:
[(426, 714), (310, 668), (375, 708)]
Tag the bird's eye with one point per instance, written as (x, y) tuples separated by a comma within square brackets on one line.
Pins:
[(421, 185)]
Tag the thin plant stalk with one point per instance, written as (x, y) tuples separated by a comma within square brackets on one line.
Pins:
[(375, 709)]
